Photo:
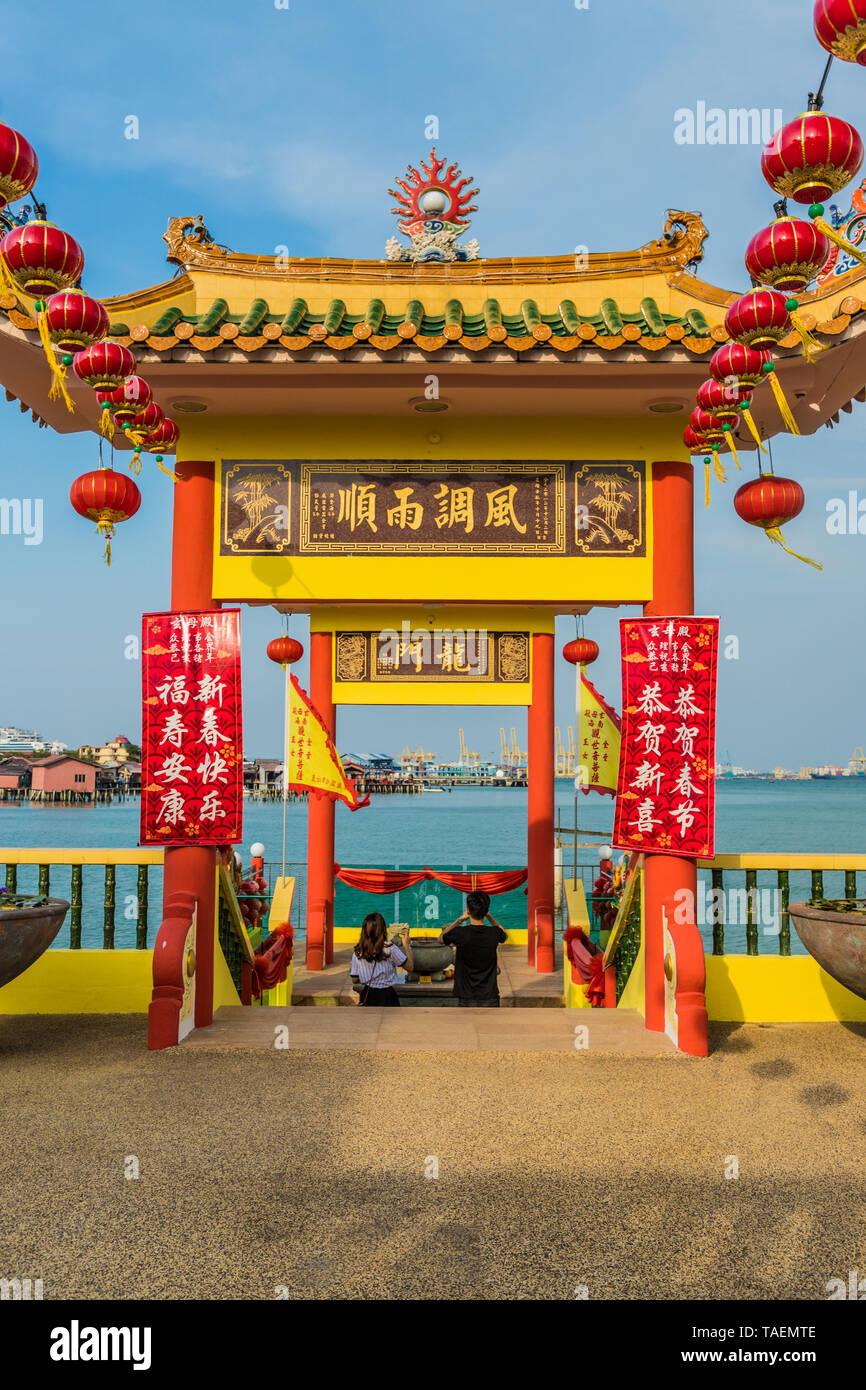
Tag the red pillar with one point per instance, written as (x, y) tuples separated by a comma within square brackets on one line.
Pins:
[(193, 869), (320, 820), (540, 779), (673, 594)]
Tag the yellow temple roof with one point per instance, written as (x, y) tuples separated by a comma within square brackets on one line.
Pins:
[(642, 306)]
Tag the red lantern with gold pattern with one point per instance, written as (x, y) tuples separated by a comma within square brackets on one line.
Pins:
[(723, 399), (694, 442), (735, 362), (581, 652), (18, 165), (769, 503), (104, 366), (75, 321), (164, 437), (709, 426), (41, 258), (812, 157), (107, 498), (759, 319), (840, 27), (144, 422), (787, 255), (126, 401), (285, 651)]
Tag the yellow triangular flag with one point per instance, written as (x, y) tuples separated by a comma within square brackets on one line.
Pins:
[(313, 761), (599, 731)]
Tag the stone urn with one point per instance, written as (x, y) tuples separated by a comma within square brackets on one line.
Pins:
[(834, 932), (429, 957), (27, 928)]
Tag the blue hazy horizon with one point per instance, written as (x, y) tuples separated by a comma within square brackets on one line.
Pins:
[(285, 126)]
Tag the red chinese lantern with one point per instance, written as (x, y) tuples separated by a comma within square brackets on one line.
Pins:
[(75, 321), (769, 502), (812, 157), (164, 437), (708, 433), (736, 362), (126, 401), (787, 255), (285, 651), (107, 498), (694, 442), (723, 399), (40, 258), (18, 165), (581, 652), (758, 319), (104, 366), (840, 27), (147, 420)]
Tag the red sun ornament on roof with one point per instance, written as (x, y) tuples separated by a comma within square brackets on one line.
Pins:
[(435, 210)]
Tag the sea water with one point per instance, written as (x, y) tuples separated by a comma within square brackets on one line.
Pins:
[(472, 828)]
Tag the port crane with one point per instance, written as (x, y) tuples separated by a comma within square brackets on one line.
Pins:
[(417, 761), (511, 755), (467, 759), (565, 757)]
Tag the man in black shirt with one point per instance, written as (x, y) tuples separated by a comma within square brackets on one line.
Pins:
[(477, 937)]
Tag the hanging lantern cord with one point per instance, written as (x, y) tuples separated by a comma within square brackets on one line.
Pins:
[(816, 99)]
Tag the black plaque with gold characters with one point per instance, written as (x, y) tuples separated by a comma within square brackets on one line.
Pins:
[(418, 654), (413, 507)]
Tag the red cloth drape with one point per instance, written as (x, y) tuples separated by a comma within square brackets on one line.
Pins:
[(586, 962), (272, 963), (395, 880)]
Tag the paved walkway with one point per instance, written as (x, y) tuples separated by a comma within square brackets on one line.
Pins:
[(395, 1174), (432, 1030), (520, 984)]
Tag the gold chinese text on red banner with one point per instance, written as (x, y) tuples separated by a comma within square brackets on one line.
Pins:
[(192, 734), (666, 787)]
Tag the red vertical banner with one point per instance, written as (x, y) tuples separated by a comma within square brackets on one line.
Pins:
[(666, 787), (192, 731)]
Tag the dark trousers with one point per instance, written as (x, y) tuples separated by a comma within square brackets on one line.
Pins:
[(381, 998), (479, 1003)]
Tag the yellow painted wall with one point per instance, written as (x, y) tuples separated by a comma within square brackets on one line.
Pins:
[(82, 982), (306, 581), (777, 989)]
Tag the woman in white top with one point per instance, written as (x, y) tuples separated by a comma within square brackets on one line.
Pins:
[(375, 960)]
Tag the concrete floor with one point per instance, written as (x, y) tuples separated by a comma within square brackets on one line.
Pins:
[(308, 1170)]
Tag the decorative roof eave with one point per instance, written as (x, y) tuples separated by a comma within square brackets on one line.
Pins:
[(680, 245)]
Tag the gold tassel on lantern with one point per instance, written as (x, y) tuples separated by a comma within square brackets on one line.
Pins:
[(719, 467), (105, 527), (729, 436), (167, 471), (752, 427), (6, 281), (838, 240), (58, 371), (774, 533), (811, 346), (784, 409), (106, 424), (706, 482)]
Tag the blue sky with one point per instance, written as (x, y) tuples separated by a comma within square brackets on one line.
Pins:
[(286, 126)]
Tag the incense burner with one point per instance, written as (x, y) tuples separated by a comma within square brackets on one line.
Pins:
[(27, 928), (834, 933)]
